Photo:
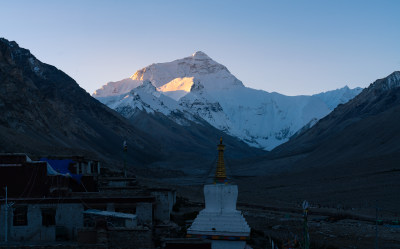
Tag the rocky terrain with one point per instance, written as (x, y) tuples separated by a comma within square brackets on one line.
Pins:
[(45, 112), (346, 164), (349, 158)]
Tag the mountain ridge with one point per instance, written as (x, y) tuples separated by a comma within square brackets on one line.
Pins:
[(259, 118), (350, 157), (45, 110)]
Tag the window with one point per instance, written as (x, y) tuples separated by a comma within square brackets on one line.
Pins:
[(48, 217), (20, 216)]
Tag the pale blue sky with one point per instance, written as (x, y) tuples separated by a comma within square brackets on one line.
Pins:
[(291, 47)]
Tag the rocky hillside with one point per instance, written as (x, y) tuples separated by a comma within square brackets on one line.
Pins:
[(364, 127), (44, 111), (351, 157)]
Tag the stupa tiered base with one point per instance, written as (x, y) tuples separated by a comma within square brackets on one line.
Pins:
[(220, 221)]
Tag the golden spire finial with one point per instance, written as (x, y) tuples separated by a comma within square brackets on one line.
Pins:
[(220, 174)]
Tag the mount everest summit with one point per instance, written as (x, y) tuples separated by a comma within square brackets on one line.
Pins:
[(197, 89)]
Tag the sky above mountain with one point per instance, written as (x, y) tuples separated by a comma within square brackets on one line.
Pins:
[(291, 47)]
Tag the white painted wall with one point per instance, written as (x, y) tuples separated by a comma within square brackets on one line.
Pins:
[(220, 197)]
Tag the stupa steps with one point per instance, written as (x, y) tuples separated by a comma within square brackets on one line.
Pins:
[(222, 219)]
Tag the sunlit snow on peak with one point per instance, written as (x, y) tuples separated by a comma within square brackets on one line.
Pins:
[(200, 55), (203, 88), (184, 84)]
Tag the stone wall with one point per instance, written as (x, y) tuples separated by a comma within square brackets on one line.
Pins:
[(132, 239), (68, 216), (161, 209), (165, 200), (117, 238), (2, 221), (144, 212), (71, 217)]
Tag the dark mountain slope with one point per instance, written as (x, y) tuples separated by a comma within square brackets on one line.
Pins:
[(191, 148), (44, 111), (366, 126), (350, 157)]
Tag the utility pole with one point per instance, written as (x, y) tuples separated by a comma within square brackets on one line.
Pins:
[(306, 241), (6, 219), (125, 146), (376, 228)]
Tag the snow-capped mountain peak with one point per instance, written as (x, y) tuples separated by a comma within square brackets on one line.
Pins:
[(199, 87), (116, 88), (199, 55), (147, 87), (176, 78), (178, 84), (143, 98), (338, 96), (390, 82), (196, 87)]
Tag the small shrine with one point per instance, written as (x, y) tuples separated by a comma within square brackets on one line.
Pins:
[(220, 221)]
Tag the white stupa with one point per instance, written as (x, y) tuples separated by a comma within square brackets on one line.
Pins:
[(220, 221)]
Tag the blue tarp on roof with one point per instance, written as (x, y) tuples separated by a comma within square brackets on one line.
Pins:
[(61, 167)]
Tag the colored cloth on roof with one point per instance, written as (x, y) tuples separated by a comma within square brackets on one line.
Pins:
[(62, 168)]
